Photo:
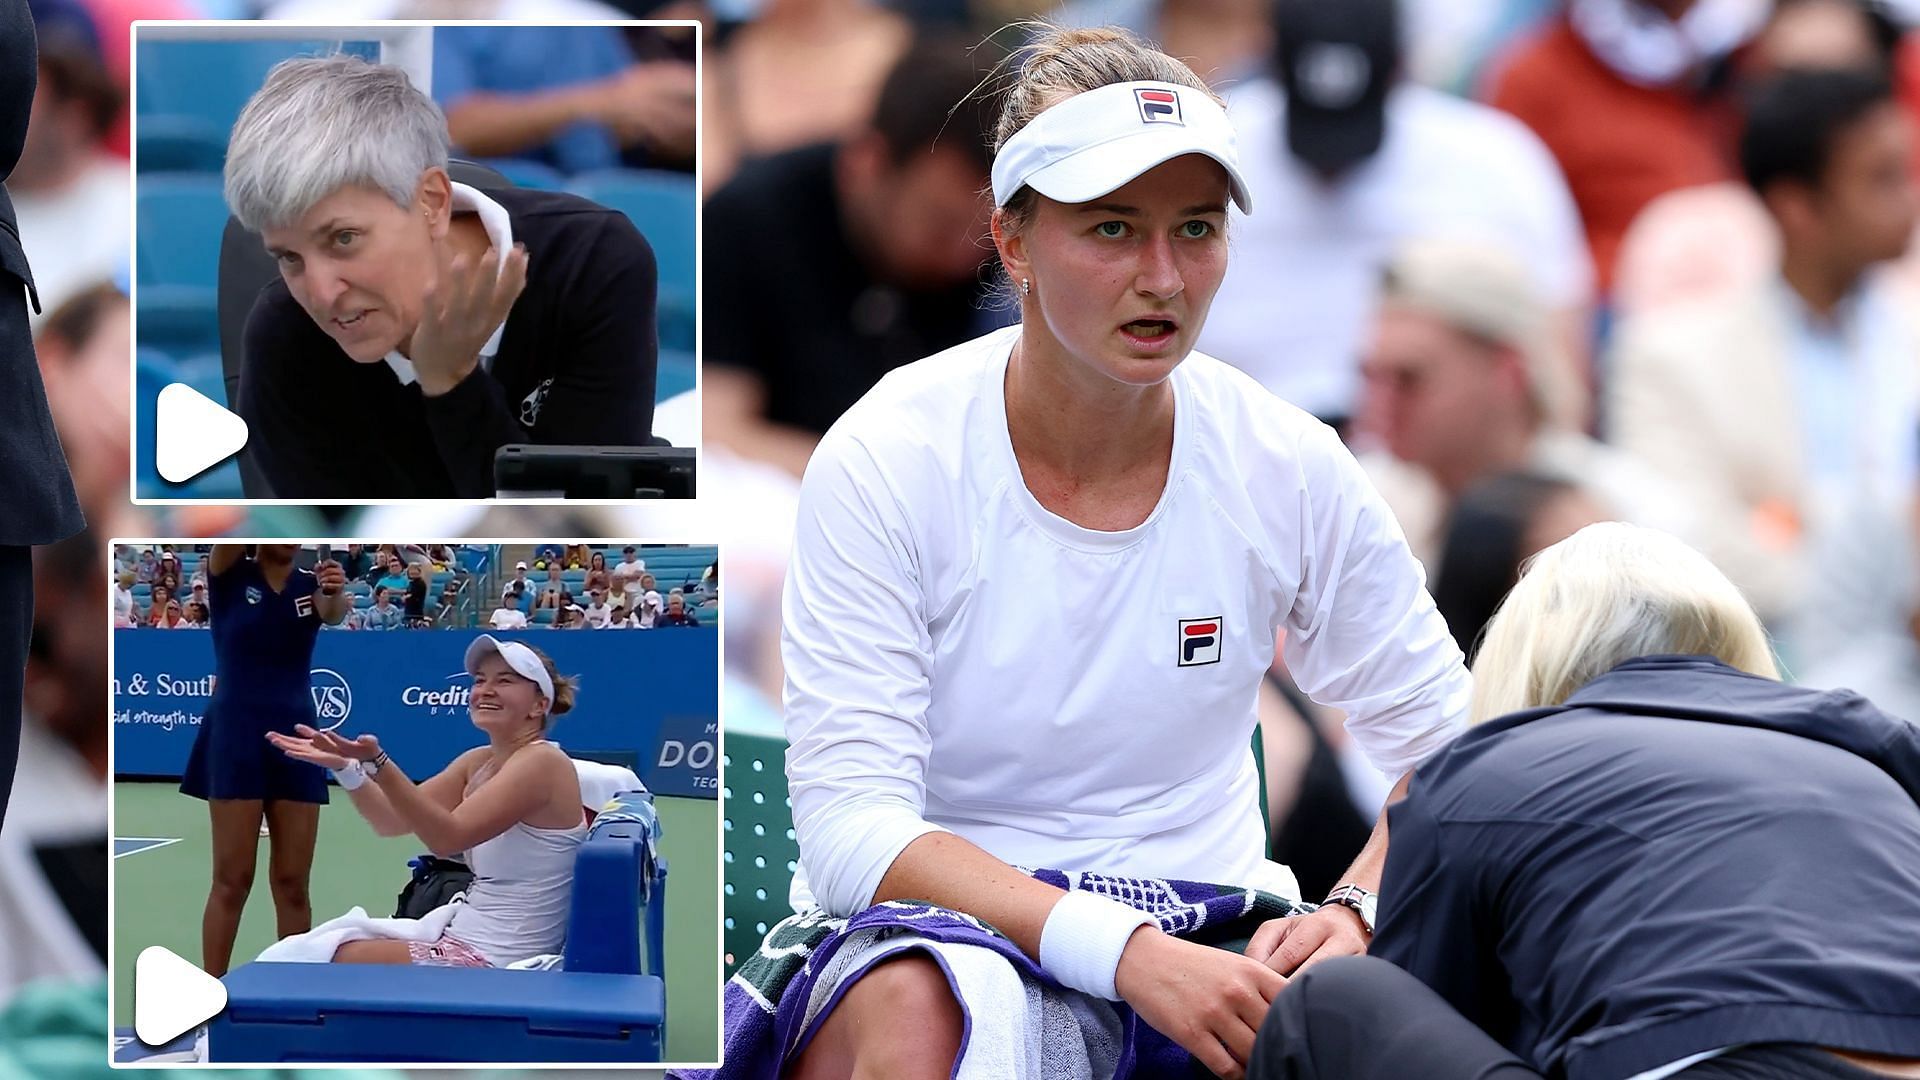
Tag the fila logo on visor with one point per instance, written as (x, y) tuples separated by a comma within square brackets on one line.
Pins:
[(1200, 641), (1158, 107)]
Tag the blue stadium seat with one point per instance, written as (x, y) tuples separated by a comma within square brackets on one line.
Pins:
[(171, 143), (212, 80), (662, 206), (676, 374), (526, 174), (179, 223), (543, 617)]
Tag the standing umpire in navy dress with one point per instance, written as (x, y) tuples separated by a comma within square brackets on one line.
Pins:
[(420, 324), (35, 489)]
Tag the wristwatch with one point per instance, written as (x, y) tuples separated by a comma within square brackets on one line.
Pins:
[(373, 769), (1359, 899)]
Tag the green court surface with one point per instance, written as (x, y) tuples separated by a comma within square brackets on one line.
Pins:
[(159, 893)]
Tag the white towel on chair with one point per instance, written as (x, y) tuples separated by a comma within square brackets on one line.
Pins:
[(317, 945)]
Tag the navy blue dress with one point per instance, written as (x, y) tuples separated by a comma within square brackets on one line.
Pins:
[(262, 659)]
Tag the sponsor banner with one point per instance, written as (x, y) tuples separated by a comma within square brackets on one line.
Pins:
[(648, 698)]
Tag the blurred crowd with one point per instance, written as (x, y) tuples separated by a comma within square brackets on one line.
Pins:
[(394, 586)]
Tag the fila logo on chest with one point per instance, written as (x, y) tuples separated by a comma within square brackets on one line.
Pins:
[(1200, 641)]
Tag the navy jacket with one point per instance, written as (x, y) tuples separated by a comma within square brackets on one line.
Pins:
[(35, 487), (1682, 857)]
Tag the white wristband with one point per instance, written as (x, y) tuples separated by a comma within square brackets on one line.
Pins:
[(352, 776), (1082, 941)]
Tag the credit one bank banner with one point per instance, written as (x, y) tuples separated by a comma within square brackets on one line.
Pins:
[(648, 698)]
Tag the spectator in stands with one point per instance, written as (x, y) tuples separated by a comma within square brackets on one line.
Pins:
[(677, 613), (627, 572), (82, 346), (1630, 866), (396, 575), (648, 614), (519, 583), (574, 98), (382, 614), (546, 553), (449, 603), (1633, 98), (123, 602), (157, 601), (194, 617), (71, 195), (198, 590), (144, 570), (621, 619), (597, 576), (1223, 41), (598, 613), (1787, 411), (577, 556), (416, 602), (857, 256), (416, 302), (1493, 528), (1351, 163), (509, 615), (554, 591), (169, 572), (170, 618), (1460, 379), (800, 72), (357, 564)]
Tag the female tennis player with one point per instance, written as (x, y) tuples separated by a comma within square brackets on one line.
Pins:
[(265, 614), (513, 806), (1036, 586)]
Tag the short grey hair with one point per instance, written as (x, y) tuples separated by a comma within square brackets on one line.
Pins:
[(320, 124)]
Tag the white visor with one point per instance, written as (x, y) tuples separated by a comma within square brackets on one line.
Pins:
[(518, 657), (1094, 142)]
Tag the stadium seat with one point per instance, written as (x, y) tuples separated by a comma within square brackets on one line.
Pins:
[(153, 370), (662, 206), (760, 852), (600, 1007), (527, 174), (170, 143), (178, 231), (676, 374), (212, 80)]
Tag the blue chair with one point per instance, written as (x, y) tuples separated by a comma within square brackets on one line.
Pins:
[(527, 174), (662, 205), (178, 226), (212, 80), (153, 370), (170, 143), (676, 374), (601, 1007)]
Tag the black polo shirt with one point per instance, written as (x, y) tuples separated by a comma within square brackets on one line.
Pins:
[(791, 301), (575, 365)]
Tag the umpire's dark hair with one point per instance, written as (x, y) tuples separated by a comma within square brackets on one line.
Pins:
[(933, 97), (1794, 118)]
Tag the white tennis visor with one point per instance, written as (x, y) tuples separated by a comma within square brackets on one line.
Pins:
[(518, 657), (1097, 141)]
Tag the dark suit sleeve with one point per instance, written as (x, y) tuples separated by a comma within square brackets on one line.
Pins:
[(605, 369), (19, 71), (299, 445), (1437, 919)]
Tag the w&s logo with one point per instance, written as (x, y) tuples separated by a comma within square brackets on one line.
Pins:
[(332, 697), (1200, 641)]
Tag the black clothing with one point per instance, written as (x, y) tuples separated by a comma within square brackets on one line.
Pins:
[(35, 487), (1360, 1018), (1680, 858), (575, 367), (789, 300)]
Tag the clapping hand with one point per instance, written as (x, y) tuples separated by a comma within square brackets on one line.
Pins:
[(324, 748), (466, 302)]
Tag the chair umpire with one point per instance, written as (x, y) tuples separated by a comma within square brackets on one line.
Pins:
[(37, 501)]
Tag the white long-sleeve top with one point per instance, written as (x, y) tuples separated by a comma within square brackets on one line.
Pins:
[(960, 658)]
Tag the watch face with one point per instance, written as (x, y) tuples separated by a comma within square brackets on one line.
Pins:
[(1369, 905)]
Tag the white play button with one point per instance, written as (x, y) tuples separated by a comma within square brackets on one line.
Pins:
[(170, 996), (193, 433)]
